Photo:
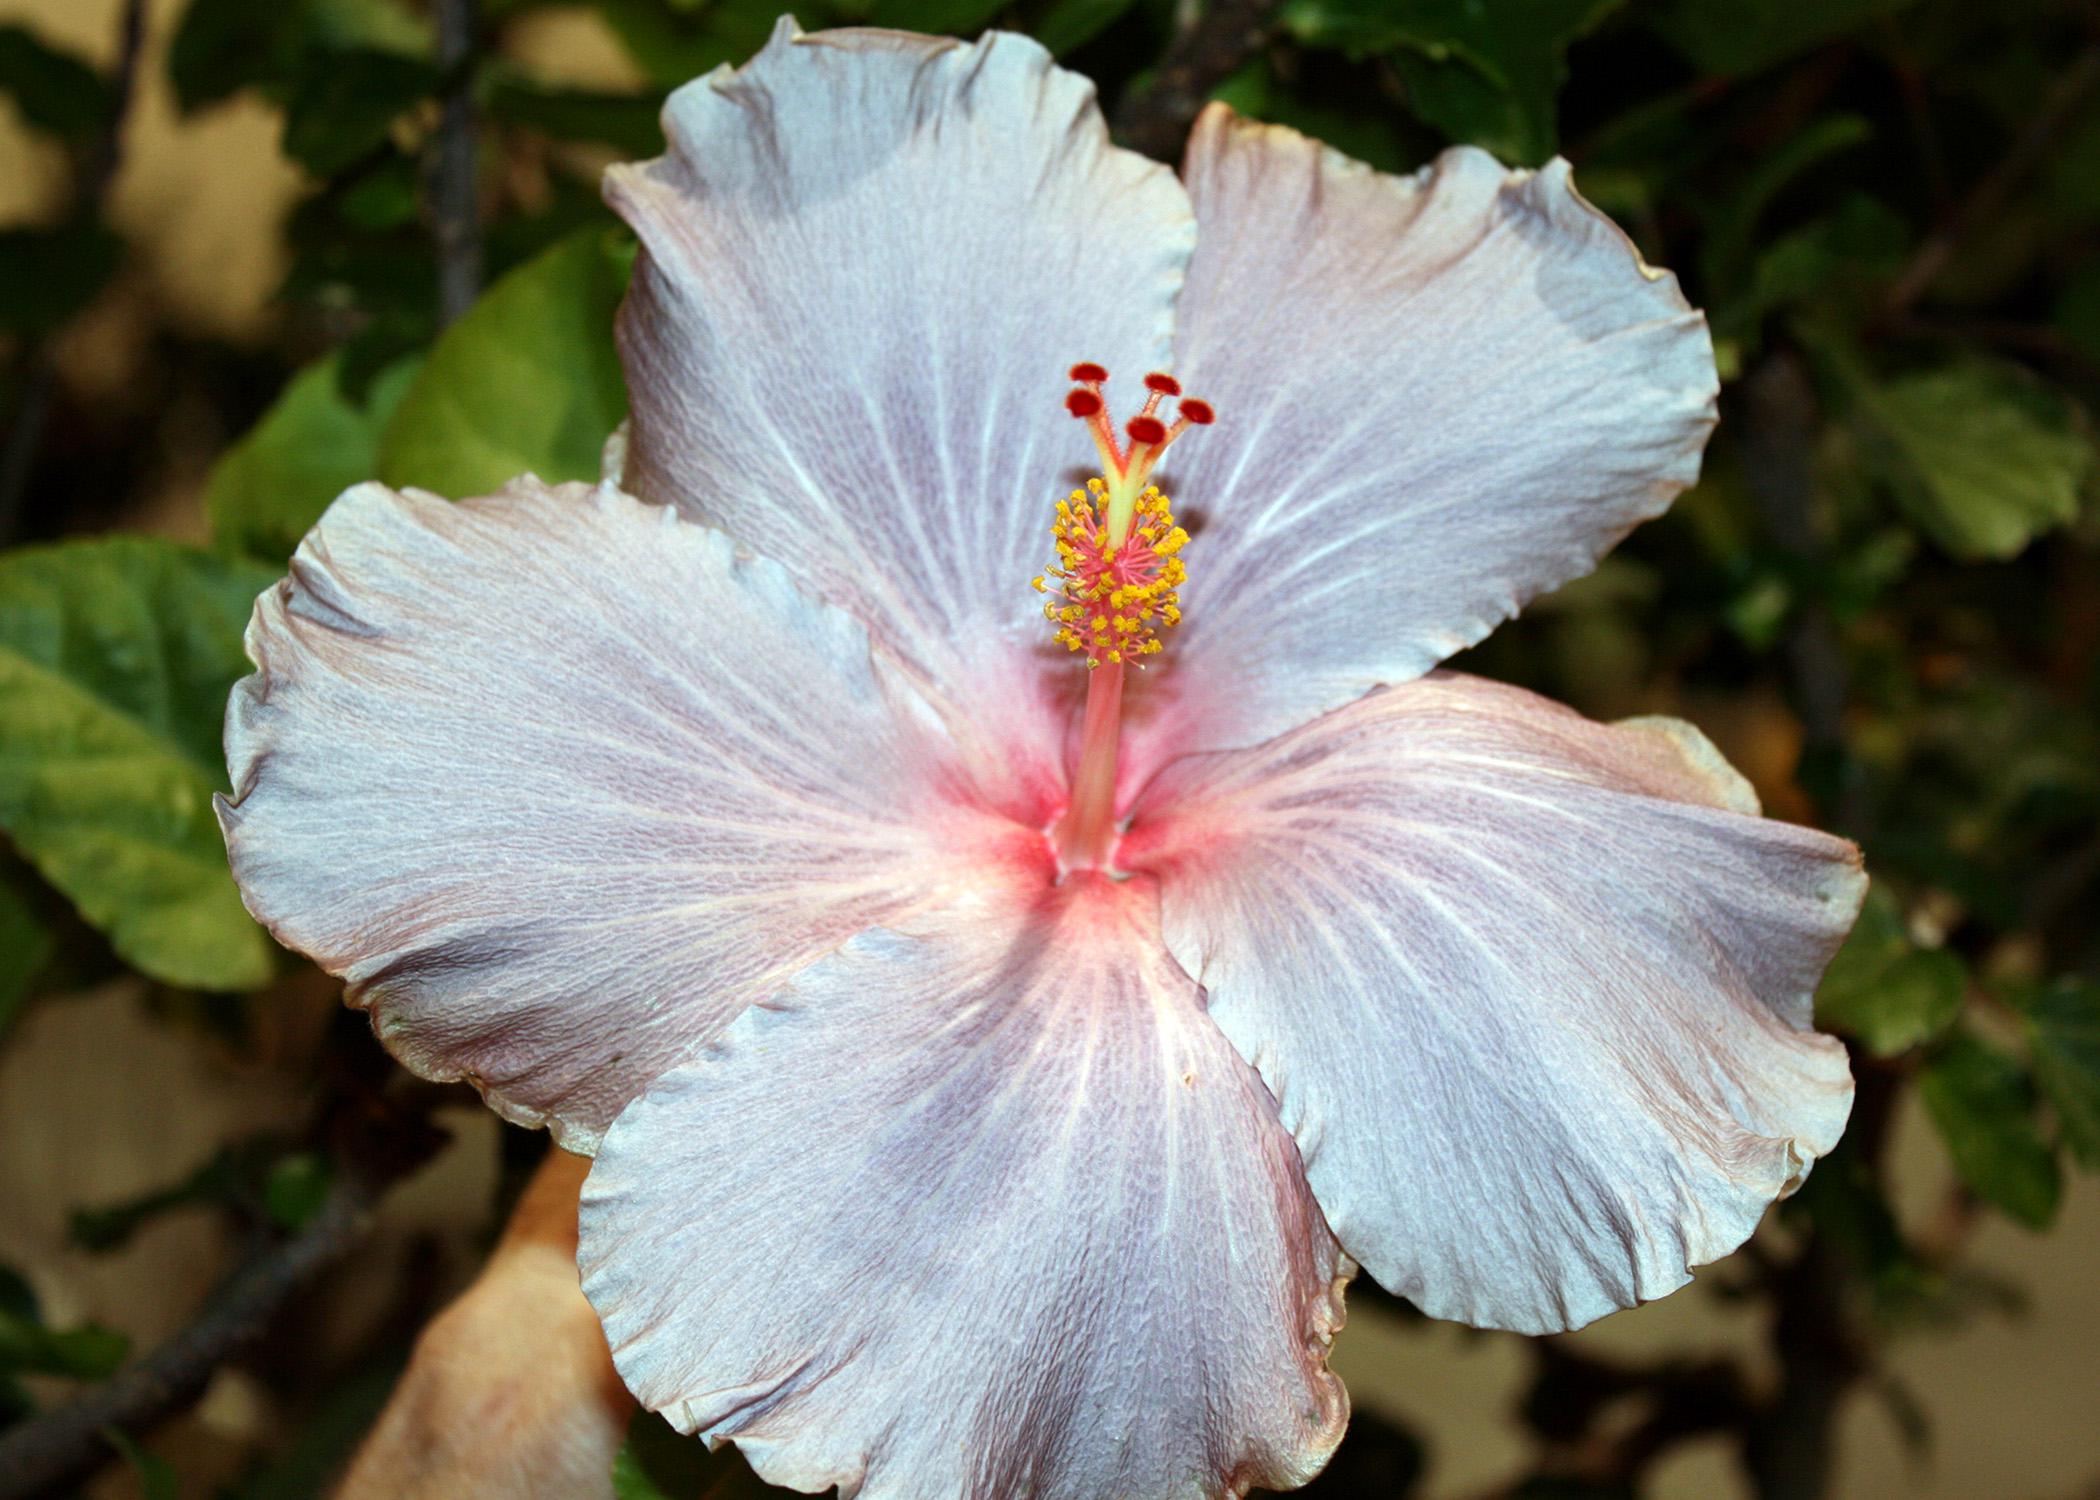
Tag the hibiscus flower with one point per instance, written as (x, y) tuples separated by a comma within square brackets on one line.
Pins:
[(1000, 1038)]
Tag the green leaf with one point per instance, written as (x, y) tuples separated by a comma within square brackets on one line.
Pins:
[(1843, 254), (674, 48), (1373, 139), (156, 1477), (1981, 455), (116, 657), (1845, 1201), (1983, 1105), (48, 275), (960, 17), (18, 1299), (27, 1347), (345, 104), (2063, 1035), (1064, 25), (1731, 240), (384, 198), (628, 121), (1745, 36), (53, 90), (1882, 991), (26, 945), (527, 380), (229, 1178), (2078, 311), (296, 1188), (224, 46), (385, 25), (271, 486), (1488, 74), (657, 1463)]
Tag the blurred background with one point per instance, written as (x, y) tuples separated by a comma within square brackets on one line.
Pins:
[(254, 250)]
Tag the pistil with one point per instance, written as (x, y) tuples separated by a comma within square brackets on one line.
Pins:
[(1117, 571), (1086, 832)]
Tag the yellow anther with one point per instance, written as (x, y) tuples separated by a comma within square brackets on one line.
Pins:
[(1110, 592)]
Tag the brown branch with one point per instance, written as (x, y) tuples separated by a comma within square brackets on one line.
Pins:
[(1779, 417), (1574, 1391), (1789, 1443), (59, 1448), (1155, 117), (98, 169), (1996, 185), (455, 198), (65, 1445)]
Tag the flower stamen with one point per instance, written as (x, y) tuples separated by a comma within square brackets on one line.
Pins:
[(1117, 569), (1114, 588)]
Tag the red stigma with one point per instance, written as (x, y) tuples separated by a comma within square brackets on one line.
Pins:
[(1150, 431)]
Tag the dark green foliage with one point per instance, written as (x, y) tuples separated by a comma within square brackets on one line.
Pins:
[(1983, 1103), (344, 104), (53, 90), (1065, 24), (25, 947), (658, 1464), (1482, 74), (626, 121), (156, 1477), (48, 275), (1746, 36), (1885, 992), (29, 1347), (2063, 1033), (295, 1189), (224, 46), (675, 43), (260, 1180)]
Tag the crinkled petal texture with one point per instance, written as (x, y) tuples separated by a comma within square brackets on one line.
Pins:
[(559, 782), (867, 262), (1438, 397), (1534, 994), (989, 1211)]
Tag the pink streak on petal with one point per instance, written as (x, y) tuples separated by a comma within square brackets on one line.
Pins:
[(868, 261), (559, 782), (1533, 993), (1438, 397), (985, 1211)]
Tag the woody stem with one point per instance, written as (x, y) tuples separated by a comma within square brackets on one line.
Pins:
[(1088, 826)]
